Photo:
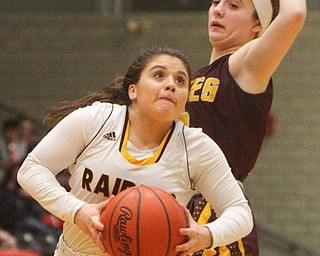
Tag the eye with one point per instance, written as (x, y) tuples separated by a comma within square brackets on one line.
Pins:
[(233, 6), (215, 2), (181, 80), (158, 74)]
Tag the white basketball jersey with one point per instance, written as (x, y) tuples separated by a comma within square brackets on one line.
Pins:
[(105, 167), (93, 143)]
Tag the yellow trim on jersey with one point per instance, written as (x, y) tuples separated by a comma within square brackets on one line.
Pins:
[(203, 219), (205, 215), (223, 250), (209, 252), (241, 247), (146, 161), (184, 117)]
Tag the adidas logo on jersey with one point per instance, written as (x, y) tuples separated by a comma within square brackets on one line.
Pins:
[(110, 136)]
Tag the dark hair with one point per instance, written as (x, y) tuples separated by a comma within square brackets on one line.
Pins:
[(117, 90), (275, 7)]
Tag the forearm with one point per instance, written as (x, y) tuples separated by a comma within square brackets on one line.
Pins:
[(43, 186), (232, 225), (218, 185)]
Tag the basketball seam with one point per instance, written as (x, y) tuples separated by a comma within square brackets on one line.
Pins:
[(138, 222), (167, 216)]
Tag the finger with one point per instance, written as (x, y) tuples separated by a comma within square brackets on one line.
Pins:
[(186, 246), (103, 247), (97, 224), (103, 204), (185, 232), (187, 213), (95, 234)]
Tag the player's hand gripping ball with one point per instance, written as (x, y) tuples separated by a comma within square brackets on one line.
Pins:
[(143, 221)]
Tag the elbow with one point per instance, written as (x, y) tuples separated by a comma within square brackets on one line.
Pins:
[(294, 18), (20, 179), (299, 17), (249, 222)]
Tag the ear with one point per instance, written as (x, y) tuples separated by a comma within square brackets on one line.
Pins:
[(257, 26), (132, 91)]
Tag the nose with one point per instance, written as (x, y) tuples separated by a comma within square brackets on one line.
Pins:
[(218, 9), (170, 86)]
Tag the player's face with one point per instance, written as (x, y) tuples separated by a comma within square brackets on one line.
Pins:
[(231, 23), (163, 88)]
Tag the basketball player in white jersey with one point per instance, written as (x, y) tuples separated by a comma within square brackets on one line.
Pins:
[(127, 134)]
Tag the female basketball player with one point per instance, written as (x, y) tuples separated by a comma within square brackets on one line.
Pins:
[(108, 147), (231, 97)]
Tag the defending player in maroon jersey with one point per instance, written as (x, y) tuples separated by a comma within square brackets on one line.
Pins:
[(231, 97)]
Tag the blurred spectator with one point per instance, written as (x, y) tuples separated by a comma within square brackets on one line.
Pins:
[(32, 226), (12, 150), (7, 241), (25, 141), (28, 132)]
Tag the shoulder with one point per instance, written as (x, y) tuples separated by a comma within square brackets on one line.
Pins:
[(197, 140), (90, 118), (99, 111), (204, 154), (98, 106)]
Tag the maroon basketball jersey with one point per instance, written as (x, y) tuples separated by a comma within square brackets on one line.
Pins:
[(234, 119)]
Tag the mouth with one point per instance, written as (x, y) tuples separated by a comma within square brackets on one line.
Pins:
[(215, 24), (167, 99)]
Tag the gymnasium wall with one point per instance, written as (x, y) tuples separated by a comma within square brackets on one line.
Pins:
[(285, 183), (91, 6), (48, 58)]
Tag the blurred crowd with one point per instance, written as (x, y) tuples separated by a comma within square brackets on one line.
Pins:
[(24, 224)]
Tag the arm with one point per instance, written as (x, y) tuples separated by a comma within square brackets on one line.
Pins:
[(213, 179), (255, 62), (217, 184), (56, 151)]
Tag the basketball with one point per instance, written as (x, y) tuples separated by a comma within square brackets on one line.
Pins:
[(143, 221)]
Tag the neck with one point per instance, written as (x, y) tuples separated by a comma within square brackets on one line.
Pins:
[(146, 134), (216, 54)]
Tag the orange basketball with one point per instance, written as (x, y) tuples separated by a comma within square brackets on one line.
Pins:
[(143, 221)]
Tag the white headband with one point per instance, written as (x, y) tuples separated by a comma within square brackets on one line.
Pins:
[(264, 11)]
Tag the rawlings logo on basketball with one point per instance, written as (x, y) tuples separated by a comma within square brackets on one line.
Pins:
[(120, 231)]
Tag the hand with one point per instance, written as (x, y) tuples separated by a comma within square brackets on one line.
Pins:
[(88, 219), (199, 236)]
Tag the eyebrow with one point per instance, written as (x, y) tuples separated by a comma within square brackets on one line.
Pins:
[(164, 67)]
